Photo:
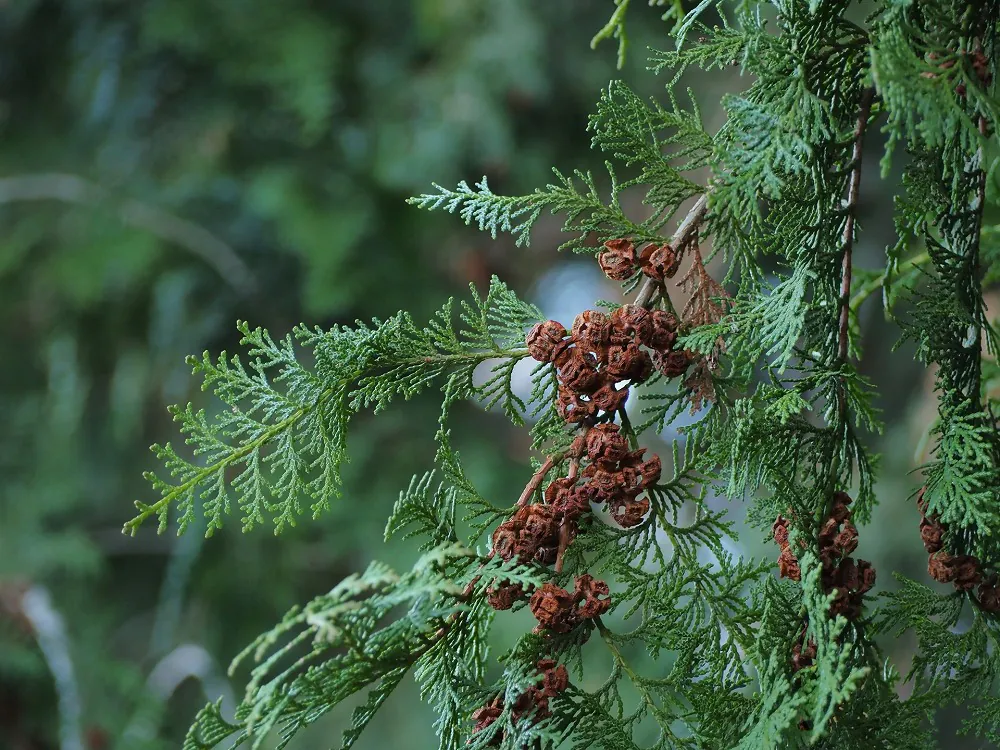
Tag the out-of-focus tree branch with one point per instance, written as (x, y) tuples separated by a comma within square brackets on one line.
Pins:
[(70, 188)]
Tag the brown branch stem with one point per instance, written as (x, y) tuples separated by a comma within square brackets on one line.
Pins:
[(980, 209), (687, 230), (536, 481), (853, 191)]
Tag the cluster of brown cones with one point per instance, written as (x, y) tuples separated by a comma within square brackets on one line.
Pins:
[(603, 355), (964, 572), (848, 579), (560, 611), (541, 532), (620, 261), (596, 363), (555, 679), (602, 352)]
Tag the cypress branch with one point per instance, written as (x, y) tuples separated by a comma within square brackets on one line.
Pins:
[(608, 537)]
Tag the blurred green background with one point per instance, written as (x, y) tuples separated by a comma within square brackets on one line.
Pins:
[(170, 166)]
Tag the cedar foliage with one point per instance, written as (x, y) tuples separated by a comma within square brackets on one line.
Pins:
[(764, 356)]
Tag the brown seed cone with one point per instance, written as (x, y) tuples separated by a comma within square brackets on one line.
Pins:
[(572, 407), (554, 609), (932, 535), (604, 484), (525, 703), (572, 506), (505, 540), (867, 571), (828, 532), (634, 458), (578, 372), (846, 603), (633, 321), (631, 479), (606, 444), (848, 574), (587, 593), (941, 567), (839, 510), (663, 331), (592, 328), (788, 565), (559, 490), (841, 600), (628, 512), (540, 525), (504, 596), (659, 261), (967, 572), (779, 529), (563, 351), (628, 362), (651, 470), (543, 338), (989, 597), (555, 678), (672, 363), (607, 398), (847, 540), (484, 718), (622, 247), (616, 267)]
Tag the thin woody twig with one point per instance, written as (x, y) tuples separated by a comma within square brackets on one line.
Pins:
[(565, 537), (574, 468), (850, 208), (536, 481), (853, 191), (685, 233)]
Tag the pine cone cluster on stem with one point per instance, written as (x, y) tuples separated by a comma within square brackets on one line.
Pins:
[(555, 679), (964, 572)]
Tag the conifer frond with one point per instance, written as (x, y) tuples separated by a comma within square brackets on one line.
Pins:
[(285, 426), (955, 664), (576, 196), (716, 48), (664, 142), (615, 29), (286, 698), (928, 82), (424, 511), (963, 480)]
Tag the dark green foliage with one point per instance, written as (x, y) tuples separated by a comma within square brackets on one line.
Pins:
[(286, 695), (782, 418)]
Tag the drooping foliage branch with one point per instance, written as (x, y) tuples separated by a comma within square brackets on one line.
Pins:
[(609, 544)]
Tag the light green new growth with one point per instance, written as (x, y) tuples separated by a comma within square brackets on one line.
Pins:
[(285, 431)]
